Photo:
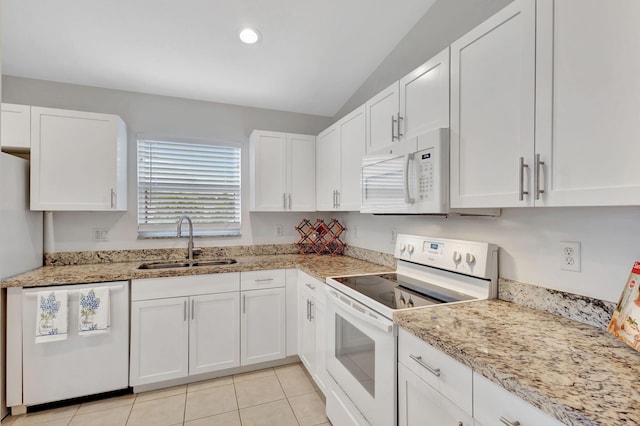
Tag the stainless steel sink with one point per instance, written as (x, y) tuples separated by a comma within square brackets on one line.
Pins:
[(166, 265)]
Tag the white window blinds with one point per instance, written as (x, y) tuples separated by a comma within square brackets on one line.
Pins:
[(199, 180)]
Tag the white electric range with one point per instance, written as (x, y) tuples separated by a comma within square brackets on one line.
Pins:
[(361, 338)]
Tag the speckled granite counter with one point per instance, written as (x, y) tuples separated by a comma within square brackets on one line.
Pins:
[(317, 266), (577, 373)]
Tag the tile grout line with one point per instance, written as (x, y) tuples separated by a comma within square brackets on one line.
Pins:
[(287, 398)]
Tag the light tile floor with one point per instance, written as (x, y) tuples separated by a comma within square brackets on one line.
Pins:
[(271, 397)]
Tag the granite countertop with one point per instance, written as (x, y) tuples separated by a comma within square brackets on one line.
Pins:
[(577, 373), (317, 266)]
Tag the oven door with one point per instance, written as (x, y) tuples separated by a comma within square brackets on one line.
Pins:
[(361, 356), (389, 184)]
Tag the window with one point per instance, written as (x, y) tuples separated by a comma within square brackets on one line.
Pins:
[(195, 179)]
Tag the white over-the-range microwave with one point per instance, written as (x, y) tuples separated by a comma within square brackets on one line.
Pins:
[(411, 177)]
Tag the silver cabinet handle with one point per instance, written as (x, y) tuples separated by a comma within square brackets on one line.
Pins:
[(337, 199), (393, 122), (522, 167), (398, 125), (508, 422), (289, 201), (284, 201), (184, 310), (418, 359), (193, 310), (113, 198), (262, 280), (310, 310), (312, 287), (244, 303), (539, 165), (308, 313)]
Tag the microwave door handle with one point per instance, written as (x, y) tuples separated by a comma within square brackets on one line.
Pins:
[(408, 199)]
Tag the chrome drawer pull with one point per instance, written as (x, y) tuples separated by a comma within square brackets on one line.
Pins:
[(539, 170), (418, 359), (312, 287), (260, 280), (522, 167), (508, 422)]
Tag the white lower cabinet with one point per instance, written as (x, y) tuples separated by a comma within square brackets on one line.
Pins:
[(312, 330), (159, 340), (183, 326), (433, 388), (495, 406), (421, 404), (263, 328)]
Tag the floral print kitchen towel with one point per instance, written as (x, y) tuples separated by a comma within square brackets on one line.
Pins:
[(626, 318), (93, 312), (52, 317)]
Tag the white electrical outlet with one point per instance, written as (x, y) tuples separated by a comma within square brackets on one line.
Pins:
[(394, 235), (570, 256), (101, 234), (279, 230)]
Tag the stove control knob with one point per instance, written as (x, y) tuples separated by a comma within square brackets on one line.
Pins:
[(403, 301), (403, 247), (457, 257), (410, 248), (471, 258), (410, 303)]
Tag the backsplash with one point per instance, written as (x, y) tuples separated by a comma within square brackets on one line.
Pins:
[(385, 259), (586, 310), (110, 256)]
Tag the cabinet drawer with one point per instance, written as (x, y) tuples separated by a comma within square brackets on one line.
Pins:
[(312, 286), (492, 403), (256, 280), (448, 376), (191, 285)]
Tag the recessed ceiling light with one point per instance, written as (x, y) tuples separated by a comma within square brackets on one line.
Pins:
[(249, 36)]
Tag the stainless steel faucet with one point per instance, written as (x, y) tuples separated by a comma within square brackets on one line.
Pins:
[(190, 244)]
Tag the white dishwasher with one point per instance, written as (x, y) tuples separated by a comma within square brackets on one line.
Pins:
[(73, 367)]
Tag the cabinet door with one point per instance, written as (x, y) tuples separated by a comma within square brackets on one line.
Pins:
[(328, 158), (380, 111), (492, 110), (268, 158), (307, 333), (587, 102), (424, 97), (77, 160), (318, 318), (15, 132), (159, 340), (214, 336), (352, 147), (263, 326), (420, 404), (301, 179)]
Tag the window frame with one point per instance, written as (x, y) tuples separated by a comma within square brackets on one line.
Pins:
[(169, 230)]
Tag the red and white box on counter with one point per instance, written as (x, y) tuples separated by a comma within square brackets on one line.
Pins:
[(625, 322)]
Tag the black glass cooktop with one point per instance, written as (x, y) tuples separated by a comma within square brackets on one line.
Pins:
[(398, 291)]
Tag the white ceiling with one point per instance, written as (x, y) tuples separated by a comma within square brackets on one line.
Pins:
[(312, 58)]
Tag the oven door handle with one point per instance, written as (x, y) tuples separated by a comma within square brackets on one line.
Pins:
[(380, 323), (408, 199)]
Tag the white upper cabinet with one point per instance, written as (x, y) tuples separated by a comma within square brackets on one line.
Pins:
[(588, 91), (382, 116), (417, 103), (328, 158), (339, 154), (424, 97), (15, 132), (282, 169), (78, 161), (544, 106), (492, 110)]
